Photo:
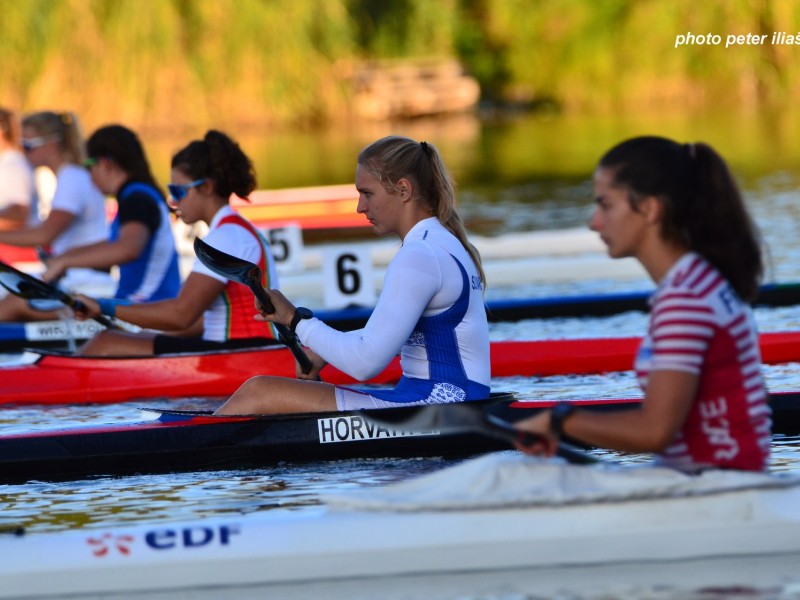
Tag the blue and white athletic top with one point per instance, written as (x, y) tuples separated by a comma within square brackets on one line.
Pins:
[(154, 274), (431, 311)]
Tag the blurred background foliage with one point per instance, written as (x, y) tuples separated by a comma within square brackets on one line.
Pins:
[(170, 65)]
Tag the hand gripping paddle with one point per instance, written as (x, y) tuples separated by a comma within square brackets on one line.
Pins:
[(248, 274), (28, 287), (460, 417)]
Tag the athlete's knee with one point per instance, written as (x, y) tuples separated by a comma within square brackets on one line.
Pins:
[(247, 399), (99, 345)]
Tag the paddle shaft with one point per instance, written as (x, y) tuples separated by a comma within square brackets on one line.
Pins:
[(287, 336), (49, 292), (458, 417), (506, 431)]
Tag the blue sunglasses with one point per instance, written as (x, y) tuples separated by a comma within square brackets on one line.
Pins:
[(178, 191)]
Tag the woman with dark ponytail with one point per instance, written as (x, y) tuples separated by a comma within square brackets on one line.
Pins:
[(677, 210), (430, 309), (141, 243), (210, 312)]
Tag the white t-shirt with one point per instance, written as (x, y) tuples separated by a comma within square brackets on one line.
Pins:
[(76, 194), (17, 183)]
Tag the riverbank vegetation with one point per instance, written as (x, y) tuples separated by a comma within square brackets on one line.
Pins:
[(176, 64)]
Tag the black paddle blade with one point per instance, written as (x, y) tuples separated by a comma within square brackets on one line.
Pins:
[(246, 273), (222, 263), (27, 287), (447, 418), (233, 268), (423, 418)]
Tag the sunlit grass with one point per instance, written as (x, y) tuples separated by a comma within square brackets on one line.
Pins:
[(182, 65)]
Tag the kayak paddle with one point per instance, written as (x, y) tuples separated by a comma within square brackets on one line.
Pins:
[(28, 287), (459, 417), (248, 274)]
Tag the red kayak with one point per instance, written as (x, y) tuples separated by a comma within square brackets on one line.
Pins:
[(15, 254), (54, 378), (324, 207)]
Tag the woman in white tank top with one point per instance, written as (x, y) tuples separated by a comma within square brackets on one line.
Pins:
[(77, 212)]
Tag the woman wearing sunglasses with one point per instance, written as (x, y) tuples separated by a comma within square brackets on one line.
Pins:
[(141, 241), (18, 197), (210, 312), (77, 211)]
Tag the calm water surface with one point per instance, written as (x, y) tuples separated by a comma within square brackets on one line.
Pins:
[(557, 197)]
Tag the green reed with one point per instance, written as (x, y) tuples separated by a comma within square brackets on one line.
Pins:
[(189, 64)]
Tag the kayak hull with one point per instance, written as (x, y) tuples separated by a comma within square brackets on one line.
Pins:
[(188, 441), (324, 545), (587, 305), (14, 337), (56, 378), (180, 441)]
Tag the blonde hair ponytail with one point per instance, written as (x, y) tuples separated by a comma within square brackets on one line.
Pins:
[(394, 157), (64, 127)]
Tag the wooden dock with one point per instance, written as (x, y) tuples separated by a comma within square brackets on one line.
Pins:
[(406, 89)]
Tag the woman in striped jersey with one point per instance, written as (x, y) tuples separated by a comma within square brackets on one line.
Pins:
[(210, 312), (677, 210)]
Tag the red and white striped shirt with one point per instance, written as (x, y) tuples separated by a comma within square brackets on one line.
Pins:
[(699, 325)]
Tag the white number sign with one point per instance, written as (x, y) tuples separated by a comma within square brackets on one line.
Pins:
[(347, 277), (287, 247)]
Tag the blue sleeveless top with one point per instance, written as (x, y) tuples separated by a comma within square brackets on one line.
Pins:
[(154, 274), (448, 381)]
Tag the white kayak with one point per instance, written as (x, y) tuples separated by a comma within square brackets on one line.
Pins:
[(499, 514)]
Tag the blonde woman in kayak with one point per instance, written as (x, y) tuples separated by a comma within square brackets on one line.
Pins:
[(430, 309), (77, 215), (676, 209), (210, 312)]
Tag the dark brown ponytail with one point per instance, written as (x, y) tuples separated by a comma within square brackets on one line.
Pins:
[(703, 207), (219, 158)]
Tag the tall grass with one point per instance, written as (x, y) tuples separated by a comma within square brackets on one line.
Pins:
[(191, 64)]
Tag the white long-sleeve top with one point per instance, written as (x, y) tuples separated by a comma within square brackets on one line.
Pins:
[(431, 275)]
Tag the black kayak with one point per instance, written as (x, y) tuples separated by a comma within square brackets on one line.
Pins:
[(179, 441)]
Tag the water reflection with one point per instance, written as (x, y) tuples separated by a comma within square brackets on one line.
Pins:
[(503, 152), (514, 175), (47, 506)]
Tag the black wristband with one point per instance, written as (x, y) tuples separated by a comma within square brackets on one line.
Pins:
[(558, 415), (300, 313)]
